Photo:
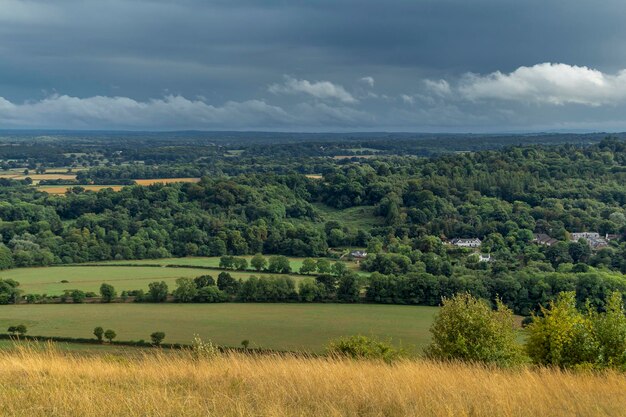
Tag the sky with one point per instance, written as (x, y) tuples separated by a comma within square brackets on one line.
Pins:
[(316, 65)]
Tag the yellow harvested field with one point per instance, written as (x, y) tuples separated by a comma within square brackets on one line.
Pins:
[(61, 189), (165, 181), (177, 384), (314, 176)]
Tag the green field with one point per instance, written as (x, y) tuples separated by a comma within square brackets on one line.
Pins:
[(89, 278), (214, 262), (361, 217), (304, 327)]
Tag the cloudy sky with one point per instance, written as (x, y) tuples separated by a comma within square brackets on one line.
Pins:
[(316, 65)]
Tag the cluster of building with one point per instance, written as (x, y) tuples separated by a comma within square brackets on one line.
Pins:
[(594, 239)]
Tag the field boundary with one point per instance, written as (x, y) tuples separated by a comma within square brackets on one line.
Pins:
[(144, 344), (211, 268)]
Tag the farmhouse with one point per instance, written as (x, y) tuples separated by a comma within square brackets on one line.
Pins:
[(544, 239), (584, 235), (485, 257), (358, 254), (467, 243), (593, 239)]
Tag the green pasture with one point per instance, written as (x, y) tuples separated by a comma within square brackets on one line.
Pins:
[(214, 262), (89, 278), (361, 217), (302, 327)]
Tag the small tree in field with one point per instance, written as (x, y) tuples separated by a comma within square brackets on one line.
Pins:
[(258, 262), (245, 343), (467, 329), (308, 266), (21, 329), (107, 292), (99, 333), (110, 335), (12, 330), (157, 338)]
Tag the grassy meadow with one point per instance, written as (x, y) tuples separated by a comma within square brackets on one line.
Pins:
[(214, 262), (45, 383), (89, 278), (297, 327), (361, 217)]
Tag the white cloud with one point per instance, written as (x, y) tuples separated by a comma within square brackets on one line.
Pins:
[(556, 84), (367, 80), (439, 87), (62, 111), (318, 89), (407, 99)]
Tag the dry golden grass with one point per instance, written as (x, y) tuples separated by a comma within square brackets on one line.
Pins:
[(49, 383), (61, 189)]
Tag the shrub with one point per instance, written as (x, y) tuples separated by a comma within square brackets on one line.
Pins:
[(211, 294), (110, 335), (565, 337), (107, 292), (157, 338), (203, 281), (185, 291), (78, 296), (362, 347), (99, 333), (21, 329), (467, 329), (158, 291), (202, 349), (561, 335)]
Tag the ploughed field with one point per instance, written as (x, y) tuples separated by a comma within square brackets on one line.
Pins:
[(294, 327), (89, 278)]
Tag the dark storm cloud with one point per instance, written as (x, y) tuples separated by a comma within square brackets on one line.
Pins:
[(427, 64)]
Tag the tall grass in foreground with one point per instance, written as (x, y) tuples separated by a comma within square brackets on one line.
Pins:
[(36, 382)]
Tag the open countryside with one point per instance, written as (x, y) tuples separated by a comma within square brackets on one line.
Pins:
[(89, 278), (295, 327)]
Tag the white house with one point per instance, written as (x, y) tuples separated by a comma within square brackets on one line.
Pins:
[(485, 257), (358, 254), (467, 243)]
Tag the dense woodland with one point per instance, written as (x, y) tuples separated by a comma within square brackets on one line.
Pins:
[(403, 200)]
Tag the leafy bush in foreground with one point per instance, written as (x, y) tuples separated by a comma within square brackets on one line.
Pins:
[(467, 329), (566, 337)]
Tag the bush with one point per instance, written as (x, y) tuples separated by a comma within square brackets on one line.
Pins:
[(99, 333), (185, 291), (362, 347), (467, 329), (107, 292), (565, 337), (211, 294), (157, 338), (78, 296), (202, 349), (110, 335), (158, 291)]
